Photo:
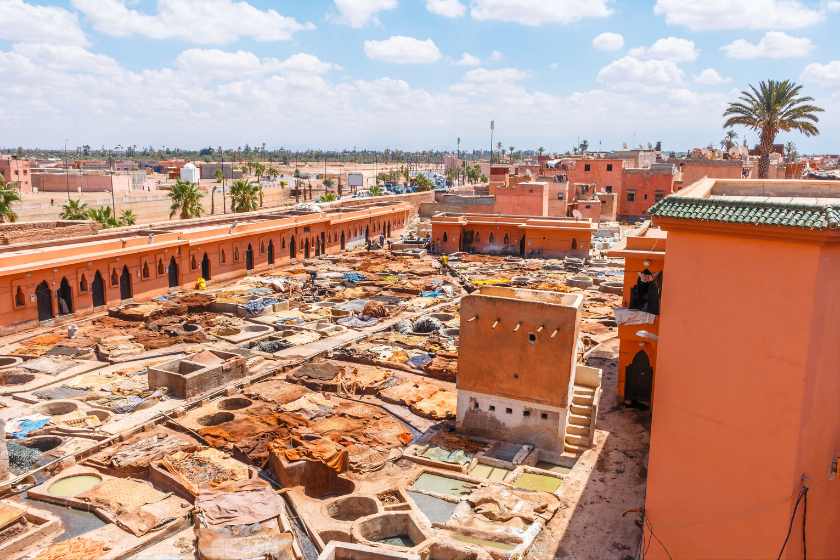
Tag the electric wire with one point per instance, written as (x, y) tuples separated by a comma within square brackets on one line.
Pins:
[(803, 493), (650, 528)]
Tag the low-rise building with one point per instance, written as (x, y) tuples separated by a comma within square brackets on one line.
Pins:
[(641, 188), (604, 174), (523, 199), (17, 170)]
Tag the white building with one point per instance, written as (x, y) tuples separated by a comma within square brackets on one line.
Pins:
[(190, 173)]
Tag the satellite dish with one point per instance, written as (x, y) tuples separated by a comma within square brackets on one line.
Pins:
[(744, 150), (624, 144), (734, 151), (705, 152), (650, 146), (719, 154), (576, 213), (641, 147)]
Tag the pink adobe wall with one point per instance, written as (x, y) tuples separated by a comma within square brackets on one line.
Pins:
[(746, 397), (525, 199), (49, 182), (597, 173), (17, 170), (645, 196), (694, 171), (590, 209)]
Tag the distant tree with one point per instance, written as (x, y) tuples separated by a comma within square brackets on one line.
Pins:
[(423, 183), (329, 197), (790, 149), (103, 217), (74, 210), (772, 108), (583, 146), (540, 150), (376, 190), (658, 146), (273, 172), (484, 178), (128, 218), (328, 182), (511, 154), (220, 175), (186, 199), (244, 196)]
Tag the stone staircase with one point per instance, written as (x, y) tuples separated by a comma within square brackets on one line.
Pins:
[(583, 411)]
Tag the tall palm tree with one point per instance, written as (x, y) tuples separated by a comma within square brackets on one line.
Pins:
[(790, 148), (244, 196), (540, 150), (7, 197), (186, 199), (772, 108), (74, 210), (511, 154)]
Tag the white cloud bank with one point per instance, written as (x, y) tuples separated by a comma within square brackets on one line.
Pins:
[(671, 48), (403, 50), (20, 21), (774, 44), (358, 13), (709, 77), (537, 12), (608, 42), (631, 75), (446, 8), (738, 14)]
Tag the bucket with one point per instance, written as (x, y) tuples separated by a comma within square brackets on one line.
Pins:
[(72, 331)]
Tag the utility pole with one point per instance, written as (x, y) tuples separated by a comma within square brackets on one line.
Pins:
[(67, 168), (492, 128), (224, 180)]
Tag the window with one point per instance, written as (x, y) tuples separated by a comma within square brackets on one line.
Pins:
[(83, 284), (114, 278), (305, 228), (609, 167), (559, 196), (658, 195), (475, 406), (492, 238), (507, 239), (588, 207), (193, 264), (145, 270), (631, 196), (283, 242), (508, 411), (222, 257), (532, 337), (574, 244), (160, 266), (236, 253), (645, 196), (526, 413), (477, 237), (445, 238), (262, 248), (492, 408), (544, 416), (609, 188), (587, 167), (19, 299)]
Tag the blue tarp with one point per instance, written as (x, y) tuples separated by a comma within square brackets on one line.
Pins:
[(354, 276), (431, 294), (257, 306), (29, 426), (417, 362)]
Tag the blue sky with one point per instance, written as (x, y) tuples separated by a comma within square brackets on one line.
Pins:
[(403, 74)]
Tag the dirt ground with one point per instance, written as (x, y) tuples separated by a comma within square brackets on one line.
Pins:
[(591, 525)]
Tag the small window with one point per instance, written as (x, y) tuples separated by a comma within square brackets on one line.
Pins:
[(508, 411), (587, 167), (476, 406), (544, 416), (305, 228), (160, 266), (445, 238), (114, 278), (559, 196), (145, 270), (609, 188), (526, 413), (574, 244), (262, 248), (659, 195), (236, 253), (492, 238), (477, 237), (645, 196), (222, 258), (609, 167), (507, 239), (588, 207), (492, 408), (631, 197), (532, 337), (83, 284), (193, 264), (19, 298), (283, 242)]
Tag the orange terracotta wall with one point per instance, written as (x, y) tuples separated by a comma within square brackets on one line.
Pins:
[(526, 199), (559, 242), (599, 173), (713, 170), (746, 400), (55, 182), (645, 184)]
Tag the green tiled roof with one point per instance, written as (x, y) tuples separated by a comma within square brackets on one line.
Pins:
[(759, 213)]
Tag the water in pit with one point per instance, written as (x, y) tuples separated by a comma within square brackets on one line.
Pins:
[(74, 521), (73, 485), (537, 482), (493, 474), (471, 540), (398, 540), (546, 466), (441, 485), (435, 509)]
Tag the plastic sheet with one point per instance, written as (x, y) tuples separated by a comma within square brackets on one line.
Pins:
[(257, 306), (418, 362)]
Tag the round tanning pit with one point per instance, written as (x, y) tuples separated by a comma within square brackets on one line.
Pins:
[(351, 508), (579, 281), (11, 378), (189, 328), (393, 530), (73, 485), (8, 361), (234, 403), (612, 287), (452, 332), (256, 329), (58, 408), (42, 443), (214, 419), (443, 317)]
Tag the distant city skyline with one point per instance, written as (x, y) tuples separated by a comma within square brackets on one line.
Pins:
[(404, 74)]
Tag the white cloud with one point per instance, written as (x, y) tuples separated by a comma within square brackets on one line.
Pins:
[(466, 60), (496, 55), (738, 14), (833, 6), (66, 57), (536, 12), (826, 75), (20, 21), (197, 21), (403, 50), (672, 48), (774, 44), (709, 76), (608, 42), (207, 64), (629, 74), (553, 65), (446, 8), (357, 13), (500, 75)]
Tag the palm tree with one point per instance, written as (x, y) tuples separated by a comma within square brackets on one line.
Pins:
[(7, 197), (790, 149), (770, 109), (376, 190), (103, 217), (186, 199), (406, 173), (244, 196), (729, 139), (219, 175), (329, 197), (540, 150), (584, 145), (74, 210), (128, 217), (511, 154)]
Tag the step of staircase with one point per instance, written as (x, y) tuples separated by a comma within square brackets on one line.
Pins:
[(583, 399), (574, 450), (581, 409), (582, 390), (574, 429), (580, 419), (580, 441)]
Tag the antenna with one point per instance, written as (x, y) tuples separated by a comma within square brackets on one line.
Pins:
[(624, 145)]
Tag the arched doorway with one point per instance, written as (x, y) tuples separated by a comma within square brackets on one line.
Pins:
[(173, 273), (522, 246), (271, 252), (388, 234), (65, 294), (306, 248), (45, 308), (638, 378), (249, 258), (342, 240), (97, 288), (292, 248), (205, 267), (125, 283), (317, 247)]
